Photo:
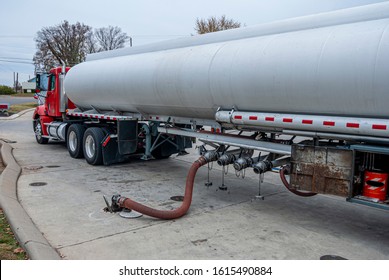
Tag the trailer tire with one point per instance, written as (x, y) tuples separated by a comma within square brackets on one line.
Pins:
[(92, 145), (38, 132), (74, 140)]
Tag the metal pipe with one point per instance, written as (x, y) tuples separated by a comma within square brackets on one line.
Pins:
[(62, 96), (167, 214), (359, 138)]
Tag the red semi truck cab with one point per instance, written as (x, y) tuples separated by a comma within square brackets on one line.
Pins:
[(55, 102), (52, 105)]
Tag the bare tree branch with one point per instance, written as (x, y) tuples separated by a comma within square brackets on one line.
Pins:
[(110, 38), (72, 42), (213, 24)]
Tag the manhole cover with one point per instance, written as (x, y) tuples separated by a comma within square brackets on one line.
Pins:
[(38, 184), (52, 166), (331, 257), (177, 198)]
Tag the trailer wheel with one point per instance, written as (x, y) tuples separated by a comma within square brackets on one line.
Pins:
[(74, 140), (38, 132), (92, 145)]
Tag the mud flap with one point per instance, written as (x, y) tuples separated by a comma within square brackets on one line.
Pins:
[(110, 150), (127, 141)]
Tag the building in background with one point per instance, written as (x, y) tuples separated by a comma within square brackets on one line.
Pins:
[(29, 86)]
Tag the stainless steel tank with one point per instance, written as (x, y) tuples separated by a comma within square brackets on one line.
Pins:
[(330, 64)]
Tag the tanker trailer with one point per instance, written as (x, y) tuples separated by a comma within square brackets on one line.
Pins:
[(246, 94)]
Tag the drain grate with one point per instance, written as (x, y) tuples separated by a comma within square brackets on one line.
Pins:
[(177, 198), (52, 166), (331, 257), (33, 167), (38, 184)]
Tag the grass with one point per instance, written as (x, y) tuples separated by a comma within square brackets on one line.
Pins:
[(20, 107), (9, 247), (29, 94)]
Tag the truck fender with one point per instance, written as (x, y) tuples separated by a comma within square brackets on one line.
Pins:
[(39, 113)]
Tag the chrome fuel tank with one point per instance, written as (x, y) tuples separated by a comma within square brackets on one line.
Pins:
[(330, 64)]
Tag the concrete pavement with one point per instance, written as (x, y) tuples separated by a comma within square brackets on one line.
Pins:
[(63, 198), (28, 235)]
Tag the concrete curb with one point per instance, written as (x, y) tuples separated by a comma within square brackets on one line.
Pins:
[(28, 235), (15, 116)]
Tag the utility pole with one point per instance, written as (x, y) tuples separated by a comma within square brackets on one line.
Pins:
[(17, 82)]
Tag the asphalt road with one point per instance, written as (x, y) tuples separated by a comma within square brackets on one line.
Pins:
[(15, 100), (64, 198)]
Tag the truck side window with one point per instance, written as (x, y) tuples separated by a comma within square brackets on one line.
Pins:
[(52, 82)]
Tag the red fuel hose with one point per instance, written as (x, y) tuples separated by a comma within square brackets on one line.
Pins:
[(284, 171), (168, 214)]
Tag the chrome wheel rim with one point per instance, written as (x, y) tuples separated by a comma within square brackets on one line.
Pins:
[(90, 147), (73, 143), (38, 130)]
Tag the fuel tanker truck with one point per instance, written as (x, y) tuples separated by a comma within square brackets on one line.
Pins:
[(306, 96)]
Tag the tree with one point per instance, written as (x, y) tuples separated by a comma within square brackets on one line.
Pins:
[(71, 43), (6, 90), (110, 38), (64, 42), (213, 24)]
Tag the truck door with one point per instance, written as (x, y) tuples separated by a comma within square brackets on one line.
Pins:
[(52, 97)]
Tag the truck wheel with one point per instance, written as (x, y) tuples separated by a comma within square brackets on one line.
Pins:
[(92, 144), (74, 138), (38, 132)]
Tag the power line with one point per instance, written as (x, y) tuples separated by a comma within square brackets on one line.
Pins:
[(13, 61), (16, 36), (16, 58)]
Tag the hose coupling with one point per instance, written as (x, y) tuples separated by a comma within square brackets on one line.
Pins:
[(226, 159), (262, 167), (242, 163)]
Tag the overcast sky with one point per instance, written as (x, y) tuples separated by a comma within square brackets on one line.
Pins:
[(146, 21)]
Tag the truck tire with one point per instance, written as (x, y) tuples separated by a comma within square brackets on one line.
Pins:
[(92, 145), (38, 132), (75, 136)]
